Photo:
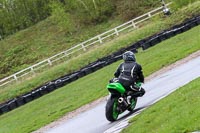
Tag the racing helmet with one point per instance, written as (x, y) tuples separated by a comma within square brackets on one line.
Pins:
[(129, 56)]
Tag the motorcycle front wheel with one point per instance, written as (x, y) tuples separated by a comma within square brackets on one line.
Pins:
[(133, 104)]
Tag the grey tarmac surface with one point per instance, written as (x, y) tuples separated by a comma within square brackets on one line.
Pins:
[(94, 121)]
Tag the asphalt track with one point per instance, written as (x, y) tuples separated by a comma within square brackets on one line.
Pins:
[(94, 121)]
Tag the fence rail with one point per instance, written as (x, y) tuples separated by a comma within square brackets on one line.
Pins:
[(132, 24)]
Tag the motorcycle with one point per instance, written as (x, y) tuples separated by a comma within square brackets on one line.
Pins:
[(119, 100)]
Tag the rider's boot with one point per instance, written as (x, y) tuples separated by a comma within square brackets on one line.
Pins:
[(129, 99)]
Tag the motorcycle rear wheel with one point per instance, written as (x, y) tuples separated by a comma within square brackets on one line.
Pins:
[(111, 109)]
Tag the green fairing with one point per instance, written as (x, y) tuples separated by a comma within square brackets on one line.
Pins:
[(116, 86)]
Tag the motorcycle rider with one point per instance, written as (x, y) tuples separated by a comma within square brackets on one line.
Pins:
[(128, 73)]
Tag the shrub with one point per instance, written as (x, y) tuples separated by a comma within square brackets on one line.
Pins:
[(131, 8)]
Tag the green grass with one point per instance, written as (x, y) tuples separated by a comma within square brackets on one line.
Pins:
[(41, 41), (72, 96), (149, 28), (177, 113)]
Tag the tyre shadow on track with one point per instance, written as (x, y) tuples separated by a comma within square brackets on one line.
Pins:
[(134, 112)]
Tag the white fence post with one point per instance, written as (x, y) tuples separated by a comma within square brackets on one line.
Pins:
[(134, 26), (100, 40), (32, 70), (83, 47), (149, 14), (15, 77), (116, 32), (66, 53), (49, 61)]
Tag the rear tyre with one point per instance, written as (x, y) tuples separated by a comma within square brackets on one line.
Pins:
[(111, 109), (133, 104)]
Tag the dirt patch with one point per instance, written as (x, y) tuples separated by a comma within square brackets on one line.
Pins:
[(94, 103)]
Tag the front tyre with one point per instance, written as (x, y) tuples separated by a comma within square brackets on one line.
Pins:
[(111, 109)]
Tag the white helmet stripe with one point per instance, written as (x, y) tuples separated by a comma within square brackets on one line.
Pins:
[(132, 70)]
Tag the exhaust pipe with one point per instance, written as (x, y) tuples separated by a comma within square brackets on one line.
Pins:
[(120, 100)]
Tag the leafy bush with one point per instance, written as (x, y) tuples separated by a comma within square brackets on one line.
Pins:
[(60, 17), (90, 11), (20, 14), (131, 8)]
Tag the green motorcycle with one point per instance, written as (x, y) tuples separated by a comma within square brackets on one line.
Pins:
[(118, 100)]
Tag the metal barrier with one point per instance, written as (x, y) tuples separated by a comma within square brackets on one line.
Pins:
[(132, 24)]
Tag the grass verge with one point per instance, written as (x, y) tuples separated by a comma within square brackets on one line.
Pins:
[(56, 104), (177, 113), (149, 28), (41, 41)]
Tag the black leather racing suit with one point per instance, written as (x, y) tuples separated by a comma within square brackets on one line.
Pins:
[(128, 73)]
